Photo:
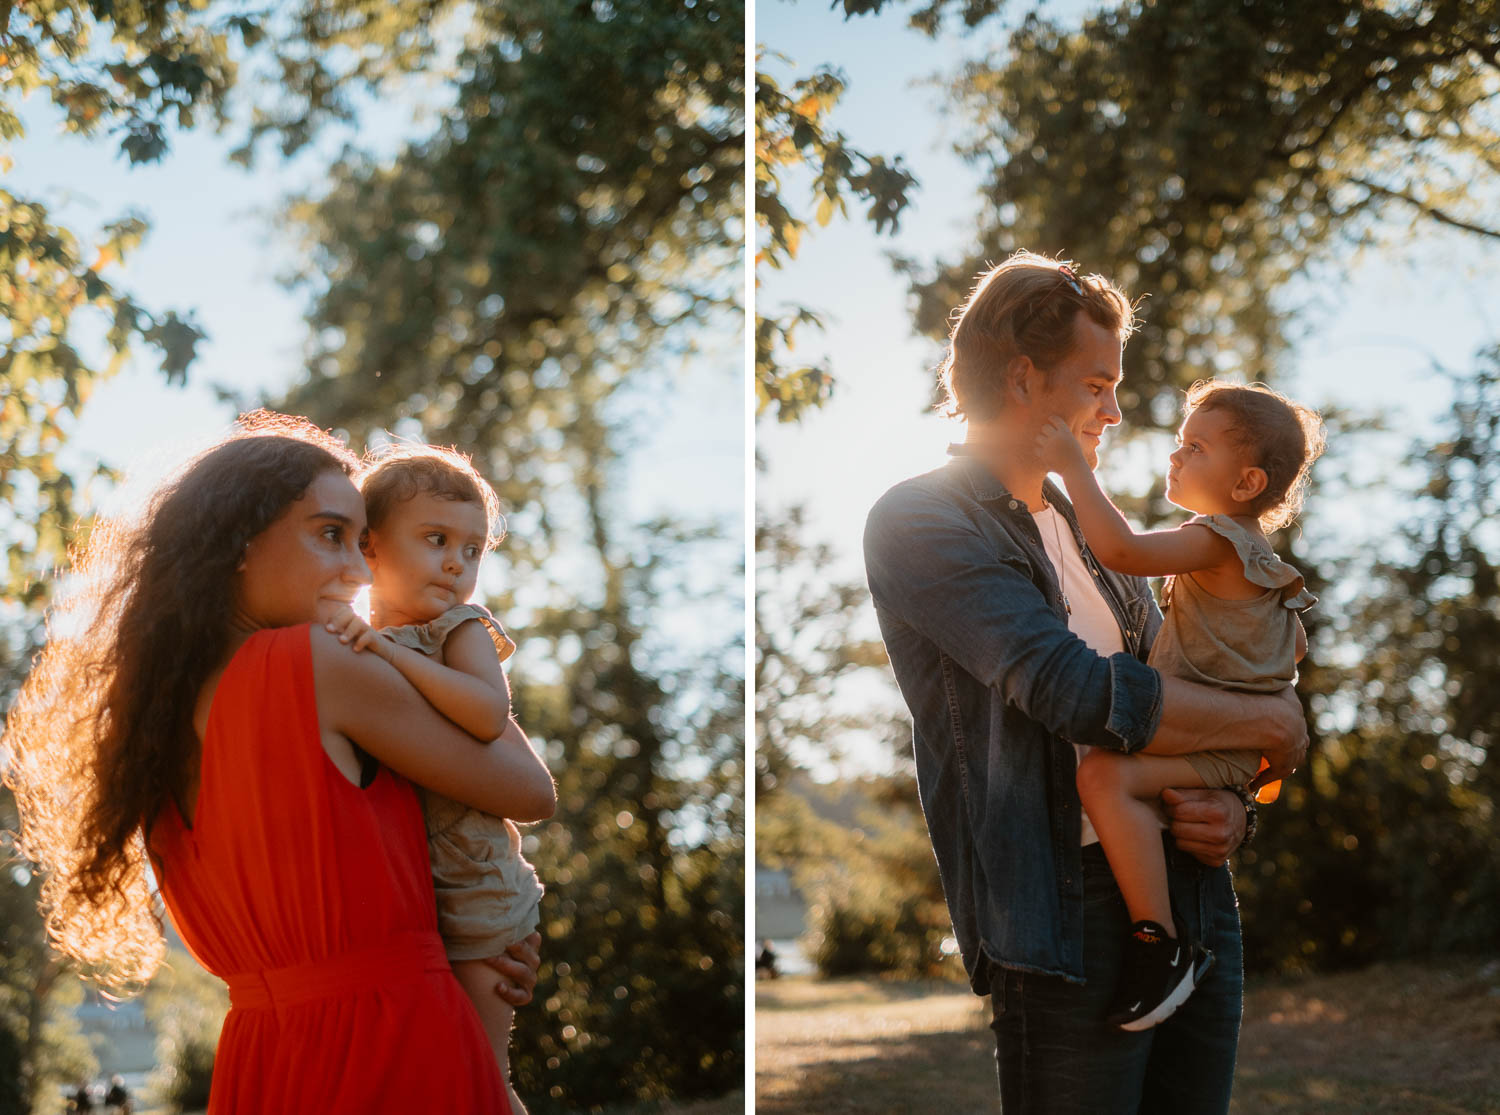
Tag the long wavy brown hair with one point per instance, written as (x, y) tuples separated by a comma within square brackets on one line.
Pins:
[(101, 734)]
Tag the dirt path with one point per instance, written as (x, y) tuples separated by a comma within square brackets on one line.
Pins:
[(1391, 1040)]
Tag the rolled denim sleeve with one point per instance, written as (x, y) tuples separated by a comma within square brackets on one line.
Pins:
[(934, 569)]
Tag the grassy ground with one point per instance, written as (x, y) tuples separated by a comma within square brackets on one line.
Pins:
[(1399, 1039)]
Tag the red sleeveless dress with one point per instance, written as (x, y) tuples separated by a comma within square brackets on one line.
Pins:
[(312, 898)]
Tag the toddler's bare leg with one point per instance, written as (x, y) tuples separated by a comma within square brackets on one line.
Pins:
[(478, 981), (1119, 793)]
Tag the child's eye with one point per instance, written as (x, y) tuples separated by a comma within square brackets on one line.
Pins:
[(437, 539), (471, 552)]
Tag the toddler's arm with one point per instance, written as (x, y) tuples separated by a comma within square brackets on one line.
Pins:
[(469, 690), (1158, 553), (364, 699)]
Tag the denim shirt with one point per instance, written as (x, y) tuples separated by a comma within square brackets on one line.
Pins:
[(999, 691)]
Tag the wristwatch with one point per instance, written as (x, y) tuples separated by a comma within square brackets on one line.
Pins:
[(1247, 799)]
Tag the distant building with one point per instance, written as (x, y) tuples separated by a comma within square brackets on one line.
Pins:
[(780, 913)]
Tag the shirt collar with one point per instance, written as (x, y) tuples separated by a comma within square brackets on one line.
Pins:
[(987, 489), (981, 481)]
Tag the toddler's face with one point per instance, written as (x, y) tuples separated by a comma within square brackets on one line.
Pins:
[(1207, 465), (425, 557)]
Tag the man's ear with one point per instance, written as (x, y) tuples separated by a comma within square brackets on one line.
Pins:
[(1022, 379), (1250, 485)]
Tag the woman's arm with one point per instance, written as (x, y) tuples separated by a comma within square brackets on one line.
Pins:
[(365, 699), (1159, 553), (469, 688)]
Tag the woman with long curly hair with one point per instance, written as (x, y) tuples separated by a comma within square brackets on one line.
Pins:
[(191, 711)]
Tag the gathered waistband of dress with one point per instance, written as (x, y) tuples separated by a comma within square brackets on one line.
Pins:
[(407, 956)]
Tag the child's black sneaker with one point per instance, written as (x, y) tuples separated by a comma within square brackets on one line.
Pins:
[(1157, 975)]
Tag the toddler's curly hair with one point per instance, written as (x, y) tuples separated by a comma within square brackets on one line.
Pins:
[(397, 474), (1282, 437)]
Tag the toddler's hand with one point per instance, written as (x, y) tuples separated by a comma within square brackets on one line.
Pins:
[(1057, 448), (358, 634)]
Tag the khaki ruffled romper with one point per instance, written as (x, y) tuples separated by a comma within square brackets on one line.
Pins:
[(488, 896), (1245, 645)]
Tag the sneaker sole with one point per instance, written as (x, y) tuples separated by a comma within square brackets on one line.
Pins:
[(1169, 1005)]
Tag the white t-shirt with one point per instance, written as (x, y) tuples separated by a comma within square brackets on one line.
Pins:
[(1091, 619)]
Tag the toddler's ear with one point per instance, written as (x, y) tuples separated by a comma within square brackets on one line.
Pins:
[(1250, 485)]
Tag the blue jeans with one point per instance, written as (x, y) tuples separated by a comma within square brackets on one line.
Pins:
[(1057, 1057)]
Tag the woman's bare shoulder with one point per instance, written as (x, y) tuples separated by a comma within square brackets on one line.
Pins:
[(343, 677)]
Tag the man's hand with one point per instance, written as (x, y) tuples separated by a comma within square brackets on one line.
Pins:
[(1058, 449), (358, 634), (1206, 824), (518, 968), (1285, 745)]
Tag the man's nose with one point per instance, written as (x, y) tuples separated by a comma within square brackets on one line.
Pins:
[(1109, 409)]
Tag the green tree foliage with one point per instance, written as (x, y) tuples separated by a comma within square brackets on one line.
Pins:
[(805, 651), (1389, 848), (513, 285), (186, 1007), (929, 18), (41, 1045), (641, 994), (1209, 153), (794, 137), (858, 849), (575, 220)]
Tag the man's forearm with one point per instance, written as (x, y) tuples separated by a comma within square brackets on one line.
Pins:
[(1201, 718)]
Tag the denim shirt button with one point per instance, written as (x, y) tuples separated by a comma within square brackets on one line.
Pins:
[(1012, 505)]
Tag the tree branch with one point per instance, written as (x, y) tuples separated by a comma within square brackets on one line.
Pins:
[(1426, 209)]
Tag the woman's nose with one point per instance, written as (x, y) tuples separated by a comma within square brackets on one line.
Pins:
[(356, 569)]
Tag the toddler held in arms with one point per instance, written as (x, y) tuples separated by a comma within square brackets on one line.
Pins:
[(430, 520), (1230, 620)]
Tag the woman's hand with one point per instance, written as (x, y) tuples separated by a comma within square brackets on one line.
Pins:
[(517, 968)]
